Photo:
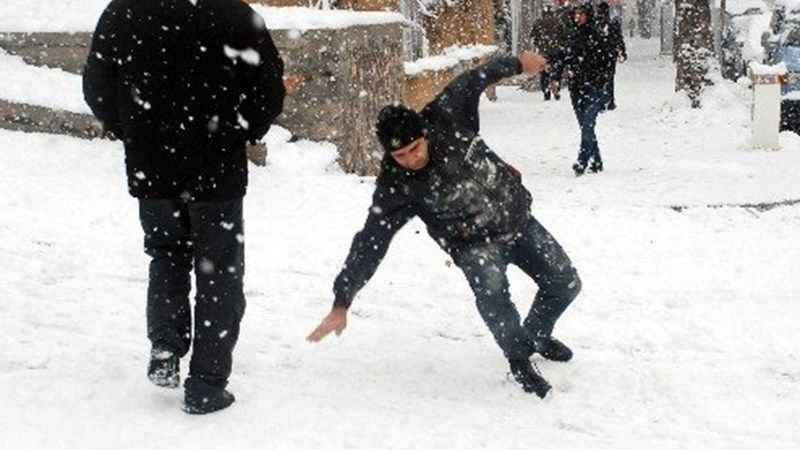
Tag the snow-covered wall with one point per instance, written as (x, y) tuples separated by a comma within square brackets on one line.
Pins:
[(352, 63), (74, 16)]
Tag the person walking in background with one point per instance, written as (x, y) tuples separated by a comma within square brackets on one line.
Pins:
[(547, 36), (188, 87), (611, 31), (437, 167), (587, 65)]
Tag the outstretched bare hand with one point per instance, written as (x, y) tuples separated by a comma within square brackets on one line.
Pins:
[(532, 63), (335, 321)]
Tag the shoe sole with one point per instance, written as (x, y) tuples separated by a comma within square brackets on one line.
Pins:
[(172, 382), (196, 411)]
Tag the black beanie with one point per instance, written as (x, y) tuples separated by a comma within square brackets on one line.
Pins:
[(398, 126)]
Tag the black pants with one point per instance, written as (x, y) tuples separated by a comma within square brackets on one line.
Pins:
[(538, 254), (209, 235), (544, 83), (545, 78)]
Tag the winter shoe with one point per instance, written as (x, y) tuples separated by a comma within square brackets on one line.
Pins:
[(164, 369), (579, 168), (553, 349), (596, 166), (530, 379), (203, 398)]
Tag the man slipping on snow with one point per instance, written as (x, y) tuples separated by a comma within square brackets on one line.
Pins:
[(437, 167)]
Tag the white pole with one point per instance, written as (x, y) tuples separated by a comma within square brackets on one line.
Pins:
[(516, 17), (766, 110)]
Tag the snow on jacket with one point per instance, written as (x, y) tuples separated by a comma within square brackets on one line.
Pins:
[(466, 193), (185, 85), (586, 56)]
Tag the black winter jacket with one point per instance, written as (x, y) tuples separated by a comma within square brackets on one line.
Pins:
[(586, 55), (185, 86), (466, 194)]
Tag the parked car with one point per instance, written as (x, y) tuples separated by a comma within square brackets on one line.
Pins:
[(740, 43), (782, 45)]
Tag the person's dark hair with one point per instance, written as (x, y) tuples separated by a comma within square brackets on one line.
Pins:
[(585, 8), (398, 126), (603, 9)]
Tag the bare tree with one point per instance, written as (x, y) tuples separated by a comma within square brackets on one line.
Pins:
[(694, 47)]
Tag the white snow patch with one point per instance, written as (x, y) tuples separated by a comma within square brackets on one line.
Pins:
[(82, 16), (40, 86), (450, 57)]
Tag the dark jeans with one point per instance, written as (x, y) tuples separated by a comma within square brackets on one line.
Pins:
[(545, 78), (587, 102), (210, 235), (538, 254), (544, 83)]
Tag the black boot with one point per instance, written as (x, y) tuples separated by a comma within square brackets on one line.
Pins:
[(530, 379), (203, 398), (579, 168), (596, 166), (164, 369), (553, 349)]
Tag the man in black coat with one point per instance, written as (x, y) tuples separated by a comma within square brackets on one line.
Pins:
[(547, 35), (188, 86), (614, 41), (437, 167), (587, 63)]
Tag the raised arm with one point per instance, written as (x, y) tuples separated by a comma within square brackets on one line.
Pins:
[(460, 98)]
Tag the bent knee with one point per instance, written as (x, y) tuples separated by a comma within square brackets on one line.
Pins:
[(575, 284), (568, 284)]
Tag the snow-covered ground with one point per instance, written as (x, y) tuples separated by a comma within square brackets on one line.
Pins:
[(685, 333)]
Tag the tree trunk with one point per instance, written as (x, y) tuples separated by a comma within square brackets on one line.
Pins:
[(694, 45), (646, 15)]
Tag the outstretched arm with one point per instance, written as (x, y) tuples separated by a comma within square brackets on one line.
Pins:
[(390, 210), (460, 98)]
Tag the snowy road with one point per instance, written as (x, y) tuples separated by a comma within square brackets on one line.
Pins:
[(685, 333)]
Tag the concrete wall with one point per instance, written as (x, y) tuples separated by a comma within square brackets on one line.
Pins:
[(465, 23), (351, 73)]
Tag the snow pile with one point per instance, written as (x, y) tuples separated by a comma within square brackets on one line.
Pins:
[(40, 86), (82, 15), (764, 69), (756, 25), (738, 7), (450, 57), (310, 19), (725, 104), (56, 16)]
